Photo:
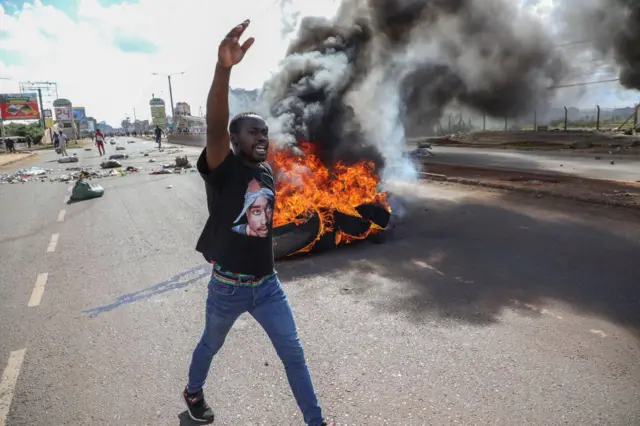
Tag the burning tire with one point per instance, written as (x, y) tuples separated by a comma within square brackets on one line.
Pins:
[(291, 238)]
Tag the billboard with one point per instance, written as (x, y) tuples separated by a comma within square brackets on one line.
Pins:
[(158, 115), (158, 112), (19, 106), (79, 114), (63, 113)]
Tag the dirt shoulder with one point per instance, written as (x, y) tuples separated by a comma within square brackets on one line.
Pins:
[(582, 141), (622, 194)]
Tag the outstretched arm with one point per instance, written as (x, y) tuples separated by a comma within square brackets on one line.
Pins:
[(230, 53)]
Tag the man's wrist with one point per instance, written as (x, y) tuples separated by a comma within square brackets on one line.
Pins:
[(222, 67)]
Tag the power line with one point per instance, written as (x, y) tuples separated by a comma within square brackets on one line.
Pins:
[(583, 84)]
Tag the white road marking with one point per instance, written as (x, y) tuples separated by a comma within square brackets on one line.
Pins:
[(61, 215), (8, 382), (53, 243), (38, 290)]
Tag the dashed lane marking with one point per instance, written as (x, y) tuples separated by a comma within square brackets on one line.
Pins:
[(53, 243), (8, 382), (61, 215), (38, 290)]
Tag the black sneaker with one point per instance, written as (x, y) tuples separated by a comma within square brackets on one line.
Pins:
[(197, 407)]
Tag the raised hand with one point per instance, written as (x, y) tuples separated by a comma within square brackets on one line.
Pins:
[(231, 51)]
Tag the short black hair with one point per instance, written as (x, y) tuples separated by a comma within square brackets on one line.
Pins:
[(234, 125)]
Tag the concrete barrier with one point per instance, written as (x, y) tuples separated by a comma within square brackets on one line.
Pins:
[(189, 140)]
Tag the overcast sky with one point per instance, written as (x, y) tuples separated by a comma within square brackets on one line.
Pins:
[(102, 52)]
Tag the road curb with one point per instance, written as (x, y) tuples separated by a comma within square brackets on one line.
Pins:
[(536, 192), (8, 163)]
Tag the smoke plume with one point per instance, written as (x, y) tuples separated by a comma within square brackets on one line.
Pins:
[(350, 84), (610, 28)]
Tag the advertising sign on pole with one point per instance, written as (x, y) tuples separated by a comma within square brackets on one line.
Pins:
[(79, 113), (158, 112), (19, 106), (63, 113), (48, 122), (46, 113)]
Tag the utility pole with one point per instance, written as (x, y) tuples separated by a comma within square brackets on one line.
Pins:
[(41, 108), (173, 115)]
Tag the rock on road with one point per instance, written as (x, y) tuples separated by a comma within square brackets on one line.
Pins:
[(483, 308)]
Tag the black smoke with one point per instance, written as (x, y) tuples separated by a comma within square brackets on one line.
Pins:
[(348, 84), (610, 29)]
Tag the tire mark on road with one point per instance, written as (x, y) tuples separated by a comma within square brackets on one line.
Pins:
[(181, 280)]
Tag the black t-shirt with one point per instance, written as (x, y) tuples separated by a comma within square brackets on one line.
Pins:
[(241, 199)]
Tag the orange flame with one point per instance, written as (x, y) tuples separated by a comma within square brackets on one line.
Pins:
[(305, 186)]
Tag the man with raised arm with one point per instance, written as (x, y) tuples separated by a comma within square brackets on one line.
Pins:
[(237, 241)]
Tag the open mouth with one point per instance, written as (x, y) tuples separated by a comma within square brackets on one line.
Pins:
[(261, 149)]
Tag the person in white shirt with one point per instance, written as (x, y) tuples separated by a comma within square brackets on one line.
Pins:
[(62, 139)]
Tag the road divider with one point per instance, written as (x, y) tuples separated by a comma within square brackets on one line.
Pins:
[(38, 290), (53, 243), (8, 382)]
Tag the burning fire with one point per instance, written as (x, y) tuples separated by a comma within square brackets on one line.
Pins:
[(305, 186)]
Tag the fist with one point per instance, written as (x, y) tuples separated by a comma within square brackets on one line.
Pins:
[(231, 51)]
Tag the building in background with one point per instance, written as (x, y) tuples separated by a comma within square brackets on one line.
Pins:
[(182, 109)]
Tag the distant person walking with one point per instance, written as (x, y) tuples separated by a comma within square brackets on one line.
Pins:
[(62, 143), (100, 142), (159, 132), (56, 141)]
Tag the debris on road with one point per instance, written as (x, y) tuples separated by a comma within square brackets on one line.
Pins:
[(70, 159), (182, 162), (83, 190), (118, 157), (162, 172), (169, 186), (110, 164)]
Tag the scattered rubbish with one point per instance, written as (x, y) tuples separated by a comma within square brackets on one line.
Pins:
[(151, 160), (112, 142), (83, 190), (110, 164), (64, 178), (598, 158), (33, 171), (182, 162), (169, 186), (131, 141), (68, 160), (146, 154), (131, 169), (162, 172), (87, 149), (612, 163), (118, 157), (120, 148)]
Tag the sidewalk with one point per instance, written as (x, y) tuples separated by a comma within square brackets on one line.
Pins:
[(7, 159)]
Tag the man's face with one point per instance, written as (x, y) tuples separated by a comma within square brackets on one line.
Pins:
[(259, 217), (252, 139)]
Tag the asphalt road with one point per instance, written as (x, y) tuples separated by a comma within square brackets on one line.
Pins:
[(625, 167), (481, 308)]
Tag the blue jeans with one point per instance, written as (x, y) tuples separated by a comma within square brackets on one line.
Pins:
[(269, 305)]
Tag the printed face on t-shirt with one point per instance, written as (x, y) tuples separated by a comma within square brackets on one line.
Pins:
[(256, 217)]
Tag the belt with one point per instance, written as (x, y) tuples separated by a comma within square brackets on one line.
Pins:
[(243, 280)]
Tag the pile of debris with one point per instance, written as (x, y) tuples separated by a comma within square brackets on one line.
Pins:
[(181, 164)]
